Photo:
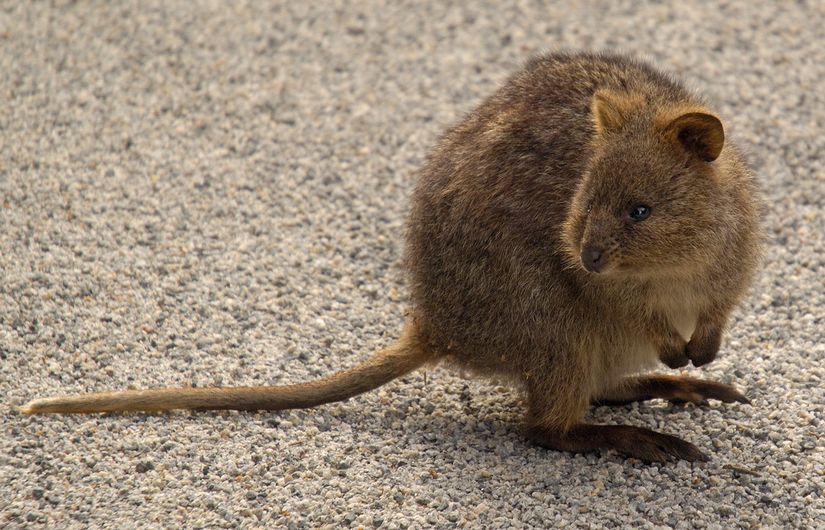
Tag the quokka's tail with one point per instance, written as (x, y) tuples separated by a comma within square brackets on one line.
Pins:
[(390, 363)]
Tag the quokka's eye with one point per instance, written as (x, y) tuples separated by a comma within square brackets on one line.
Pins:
[(640, 212)]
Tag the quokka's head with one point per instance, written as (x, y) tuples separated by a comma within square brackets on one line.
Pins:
[(650, 199)]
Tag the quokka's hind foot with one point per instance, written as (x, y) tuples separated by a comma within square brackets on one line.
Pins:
[(637, 442), (678, 389)]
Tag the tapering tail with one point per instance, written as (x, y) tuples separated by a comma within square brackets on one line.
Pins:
[(390, 363)]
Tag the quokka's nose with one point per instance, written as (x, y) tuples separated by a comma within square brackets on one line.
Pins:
[(592, 258)]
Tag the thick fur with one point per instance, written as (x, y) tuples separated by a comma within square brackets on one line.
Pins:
[(509, 198), (506, 203)]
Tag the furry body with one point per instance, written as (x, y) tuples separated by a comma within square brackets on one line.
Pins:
[(498, 218)]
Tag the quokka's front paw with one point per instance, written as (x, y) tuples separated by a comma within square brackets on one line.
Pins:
[(674, 352), (703, 346)]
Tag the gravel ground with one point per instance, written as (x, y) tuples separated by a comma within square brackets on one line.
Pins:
[(212, 193)]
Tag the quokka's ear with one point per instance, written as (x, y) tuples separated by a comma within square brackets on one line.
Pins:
[(699, 133), (611, 110)]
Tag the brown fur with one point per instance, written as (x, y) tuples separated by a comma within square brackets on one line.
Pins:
[(508, 200)]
